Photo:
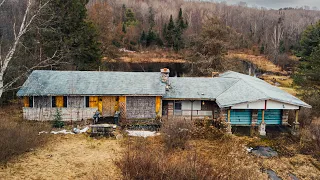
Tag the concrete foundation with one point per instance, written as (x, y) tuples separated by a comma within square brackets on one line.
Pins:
[(262, 129), (295, 129)]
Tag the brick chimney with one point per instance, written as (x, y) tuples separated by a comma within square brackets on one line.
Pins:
[(165, 75), (215, 74)]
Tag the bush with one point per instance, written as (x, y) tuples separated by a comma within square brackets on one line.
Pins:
[(18, 136), (144, 161), (176, 133), (57, 122), (204, 129), (310, 139)]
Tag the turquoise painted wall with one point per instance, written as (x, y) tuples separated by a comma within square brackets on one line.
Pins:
[(240, 117), (271, 116)]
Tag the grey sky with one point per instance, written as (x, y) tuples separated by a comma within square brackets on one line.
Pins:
[(276, 4)]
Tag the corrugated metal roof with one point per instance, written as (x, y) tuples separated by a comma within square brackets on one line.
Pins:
[(43, 83), (197, 88)]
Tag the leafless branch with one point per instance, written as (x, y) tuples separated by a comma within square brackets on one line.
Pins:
[(2, 2)]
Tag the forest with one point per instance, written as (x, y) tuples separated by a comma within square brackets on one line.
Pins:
[(86, 35), (193, 38)]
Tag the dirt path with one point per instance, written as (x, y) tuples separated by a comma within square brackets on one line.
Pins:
[(67, 157)]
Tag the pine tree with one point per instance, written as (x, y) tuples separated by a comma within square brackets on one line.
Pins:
[(170, 33), (143, 39), (308, 75), (64, 29)]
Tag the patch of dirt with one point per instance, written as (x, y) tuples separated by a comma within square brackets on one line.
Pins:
[(67, 157)]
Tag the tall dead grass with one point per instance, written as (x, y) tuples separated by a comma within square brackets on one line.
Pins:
[(185, 152), (16, 135)]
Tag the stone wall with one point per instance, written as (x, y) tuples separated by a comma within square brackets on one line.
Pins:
[(67, 114)]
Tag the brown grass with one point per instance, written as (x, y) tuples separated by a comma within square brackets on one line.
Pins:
[(16, 135), (260, 61), (156, 56), (67, 157)]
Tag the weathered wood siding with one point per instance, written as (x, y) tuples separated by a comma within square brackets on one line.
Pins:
[(138, 107), (67, 114), (76, 101), (42, 102)]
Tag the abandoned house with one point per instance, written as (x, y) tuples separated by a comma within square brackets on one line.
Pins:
[(237, 99)]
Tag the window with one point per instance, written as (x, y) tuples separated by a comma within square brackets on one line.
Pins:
[(53, 101), (30, 101), (65, 101), (177, 105), (87, 100)]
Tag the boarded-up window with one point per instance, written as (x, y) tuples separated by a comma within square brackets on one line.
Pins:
[(76, 102), (140, 107), (42, 102)]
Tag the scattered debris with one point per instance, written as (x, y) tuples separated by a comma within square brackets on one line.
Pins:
[(119, 136), (126, 50), (142, 133), (263, 151), (61, 132), (272, 175), (74, 131)]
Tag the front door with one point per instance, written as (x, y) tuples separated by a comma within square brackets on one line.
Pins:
[(108, 106)]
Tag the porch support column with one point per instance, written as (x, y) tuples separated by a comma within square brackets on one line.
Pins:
[(254, 122), (229, 123), (262, 127), (296, 124)]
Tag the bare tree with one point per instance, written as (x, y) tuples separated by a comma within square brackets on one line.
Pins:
[(31, 11)]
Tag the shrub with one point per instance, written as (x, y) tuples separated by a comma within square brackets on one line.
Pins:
[(310, 139), (57, 122), (176, 133), (18, 136), (144, 161), (204, 129)]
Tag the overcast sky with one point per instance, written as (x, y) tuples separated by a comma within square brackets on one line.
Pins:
[(276, 4)]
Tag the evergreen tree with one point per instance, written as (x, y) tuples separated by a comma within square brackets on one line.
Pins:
[(63, 28), (124, 29), (310, 40), (170, 33), (143, 39), (308, 77), (308, 74)]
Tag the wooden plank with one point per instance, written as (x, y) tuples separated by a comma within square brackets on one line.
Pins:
[(59, 101), (158, 104), (26, 101), (108, 106), (93, 101)]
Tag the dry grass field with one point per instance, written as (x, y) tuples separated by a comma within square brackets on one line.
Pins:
[(67, 157)]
